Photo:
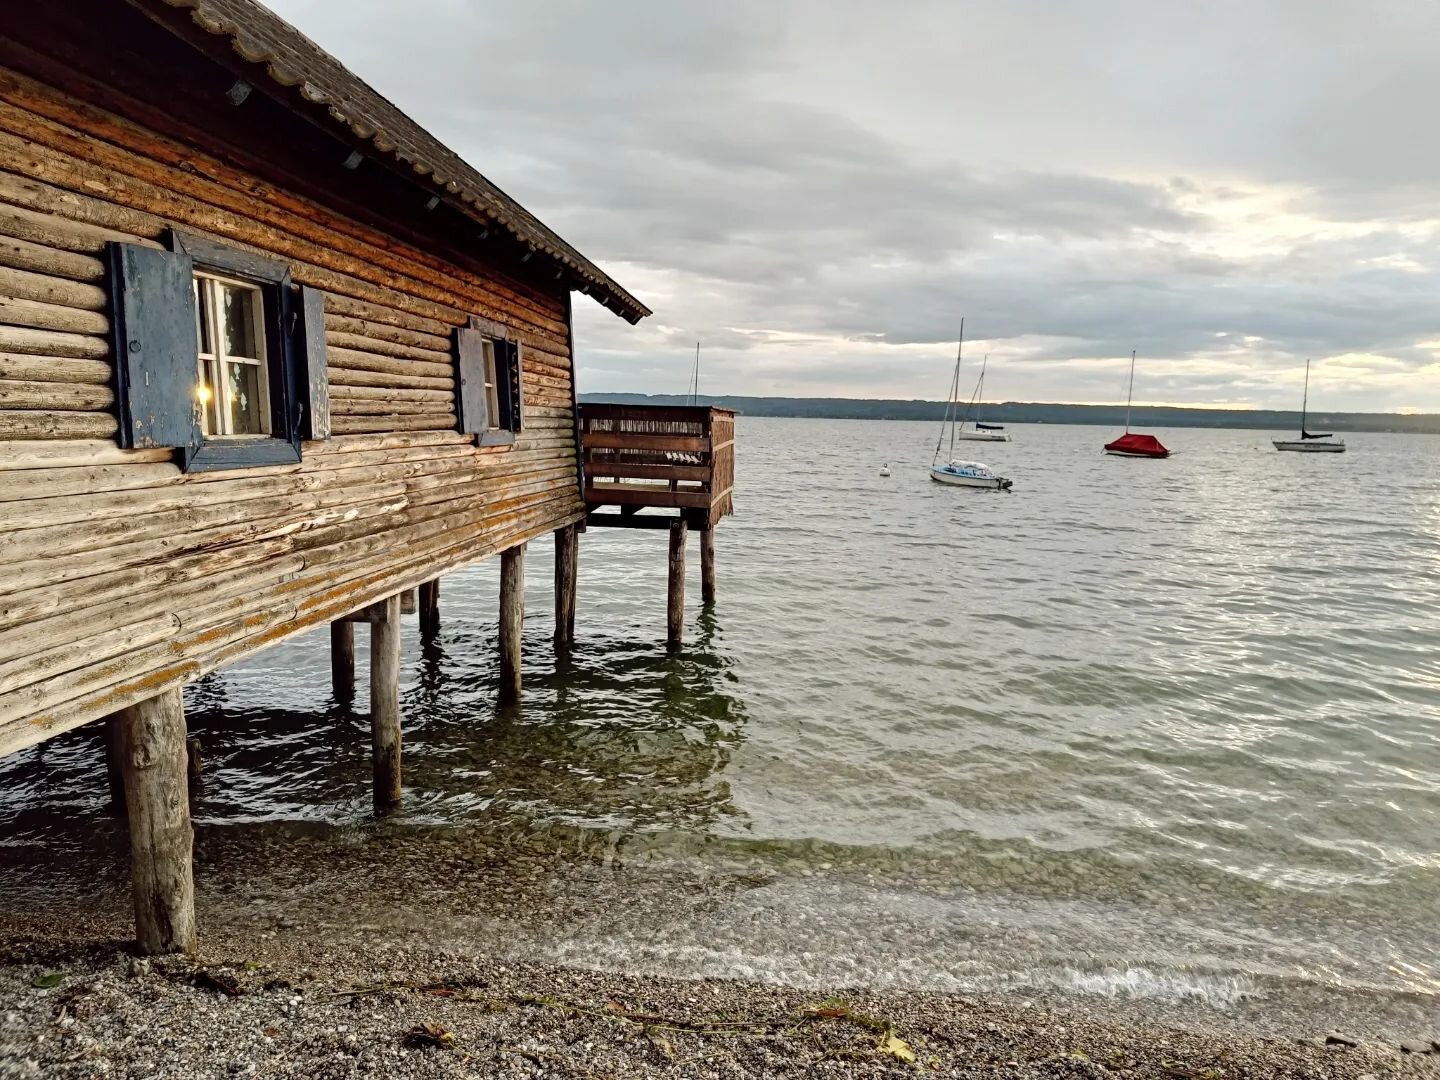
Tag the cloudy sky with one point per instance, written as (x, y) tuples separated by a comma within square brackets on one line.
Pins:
[(818, 191)]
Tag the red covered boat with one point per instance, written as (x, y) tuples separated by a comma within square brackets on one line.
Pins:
[(1133, 444)]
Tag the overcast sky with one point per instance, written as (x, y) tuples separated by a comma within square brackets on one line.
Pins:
[(818, 191)]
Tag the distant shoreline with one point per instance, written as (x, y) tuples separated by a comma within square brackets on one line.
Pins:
[(1023, 412)]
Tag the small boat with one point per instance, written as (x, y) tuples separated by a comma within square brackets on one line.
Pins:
[(955, 472), (885, 469), (969, 474), (1310, 443), (980, 432), (1134, 444)]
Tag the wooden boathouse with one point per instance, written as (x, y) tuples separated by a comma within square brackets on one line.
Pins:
[(273, 358)]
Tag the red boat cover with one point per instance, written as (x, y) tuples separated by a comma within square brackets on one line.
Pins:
[(1135, 443)]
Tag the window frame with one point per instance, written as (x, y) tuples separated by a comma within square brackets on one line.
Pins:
[(499, 395), (270, 279)]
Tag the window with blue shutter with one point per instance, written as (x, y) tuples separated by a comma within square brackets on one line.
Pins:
[(490, 403), (217, 355)]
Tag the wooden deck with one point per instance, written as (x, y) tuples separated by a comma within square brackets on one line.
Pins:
[(679, 458)]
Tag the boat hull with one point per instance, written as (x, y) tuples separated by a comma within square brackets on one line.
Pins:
[(1311, 446), (1135, 453), (983, 436), (991, 483)]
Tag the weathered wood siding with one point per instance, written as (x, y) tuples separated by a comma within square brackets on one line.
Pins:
[(119, 575)]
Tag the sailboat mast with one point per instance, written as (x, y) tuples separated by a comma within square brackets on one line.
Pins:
[(1130, 394), (1305, 398), (950, 400), (695, 376)]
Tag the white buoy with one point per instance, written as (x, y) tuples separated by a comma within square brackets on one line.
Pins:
[(885, 469)]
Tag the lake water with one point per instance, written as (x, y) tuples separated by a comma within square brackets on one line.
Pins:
[(1167, 729)]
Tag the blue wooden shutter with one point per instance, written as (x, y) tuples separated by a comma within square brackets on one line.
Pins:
[(155, 347), (470, 405), (508, 363), (312, 379)]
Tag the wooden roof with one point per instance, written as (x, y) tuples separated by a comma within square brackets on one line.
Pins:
[(334, 96)]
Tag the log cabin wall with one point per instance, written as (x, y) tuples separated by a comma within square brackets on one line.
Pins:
[(122, 576)]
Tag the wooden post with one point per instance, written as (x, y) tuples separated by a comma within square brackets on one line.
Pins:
[(675, 621), (385, 703), (512, 620), (194, 778), (430, 608), (567, 564), (152, 760), (342, 661), (707, 566)]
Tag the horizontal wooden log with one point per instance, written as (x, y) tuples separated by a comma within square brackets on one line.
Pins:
[(339, 304), (22, 367), (51, 317), (381, 347), (21, 221), (604, 440), (631, 471), (18, 339), (371, 330), (348, 377), (46, 395), (49, 289), (390, 393), (56, 425), (71, 454), (52, 262), (343, 406), (345, 425), (353, 360), (45, 659)]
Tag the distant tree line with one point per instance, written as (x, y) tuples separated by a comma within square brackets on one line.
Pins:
[(1030, 412)]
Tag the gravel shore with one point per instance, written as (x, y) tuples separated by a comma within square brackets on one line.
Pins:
[(291, 1007)]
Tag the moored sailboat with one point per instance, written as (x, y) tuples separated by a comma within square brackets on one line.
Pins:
[(1310, 443), (954, 472), (980, 432), (1134, 444)]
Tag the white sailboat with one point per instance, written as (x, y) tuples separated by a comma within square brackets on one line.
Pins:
[(955, 472), (1308, 443), (980, 432)]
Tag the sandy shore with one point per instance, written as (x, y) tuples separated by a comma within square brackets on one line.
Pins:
[(73, 1005)]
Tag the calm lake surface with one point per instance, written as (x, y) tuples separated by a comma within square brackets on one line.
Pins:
[(1166, 729)]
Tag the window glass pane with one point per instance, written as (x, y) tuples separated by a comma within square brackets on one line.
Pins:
[(237, 312), (207, 393), (245, 418), (492, 390)]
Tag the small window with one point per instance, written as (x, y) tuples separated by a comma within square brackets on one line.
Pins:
[(490, 403), (233, 385), (218, 355)]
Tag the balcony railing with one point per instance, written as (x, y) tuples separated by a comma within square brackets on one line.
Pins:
[(671, 457)]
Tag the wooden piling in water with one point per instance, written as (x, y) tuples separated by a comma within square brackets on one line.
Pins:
[(342, 661), (707, 566), (512, 620), (385, 703), (430, 608), (151, 743), (567, 565), (675, 594)]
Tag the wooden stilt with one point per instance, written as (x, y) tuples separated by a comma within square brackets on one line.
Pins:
[(342, 661), (385, 704), (567, 564), (707, 566), (152, 761), (675, 614), (430, 608), (512, 620)]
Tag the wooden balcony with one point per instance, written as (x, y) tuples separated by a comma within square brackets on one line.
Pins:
[(679, 458)]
